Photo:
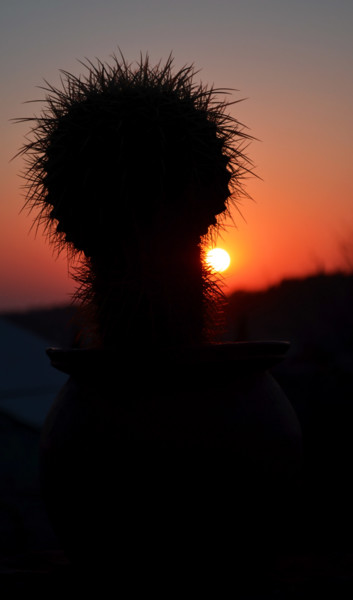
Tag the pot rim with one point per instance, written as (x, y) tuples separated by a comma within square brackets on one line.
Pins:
[(244, 354)]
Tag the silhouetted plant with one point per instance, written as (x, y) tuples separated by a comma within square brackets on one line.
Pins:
[(128, 167)]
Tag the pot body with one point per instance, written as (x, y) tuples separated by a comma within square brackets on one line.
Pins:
[(177, 470)]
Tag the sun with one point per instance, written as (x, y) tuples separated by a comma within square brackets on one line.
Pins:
[(218, 259)]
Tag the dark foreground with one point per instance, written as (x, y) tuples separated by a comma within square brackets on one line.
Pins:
[(318, 379), (320, 561)]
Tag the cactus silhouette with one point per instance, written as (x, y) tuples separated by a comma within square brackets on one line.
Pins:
[(127, 168)]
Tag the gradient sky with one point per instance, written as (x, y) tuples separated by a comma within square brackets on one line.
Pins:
[(292, 61)]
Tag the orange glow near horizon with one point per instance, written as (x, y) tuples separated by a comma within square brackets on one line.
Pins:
[(291, 65), (269, 246)]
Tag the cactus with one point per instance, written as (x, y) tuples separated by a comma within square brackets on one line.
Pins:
[(128, 168)]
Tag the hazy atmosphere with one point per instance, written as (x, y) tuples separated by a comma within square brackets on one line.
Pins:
[(292, 64), (157, 436)]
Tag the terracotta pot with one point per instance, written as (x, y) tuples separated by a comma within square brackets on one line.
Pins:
[(171, 461)]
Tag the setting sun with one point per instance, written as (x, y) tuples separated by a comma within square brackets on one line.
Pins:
[(218, 259)]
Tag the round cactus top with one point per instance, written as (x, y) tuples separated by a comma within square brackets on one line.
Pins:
[(129, 150)]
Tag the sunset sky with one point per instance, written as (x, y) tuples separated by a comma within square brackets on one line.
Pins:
[(292, 62)]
